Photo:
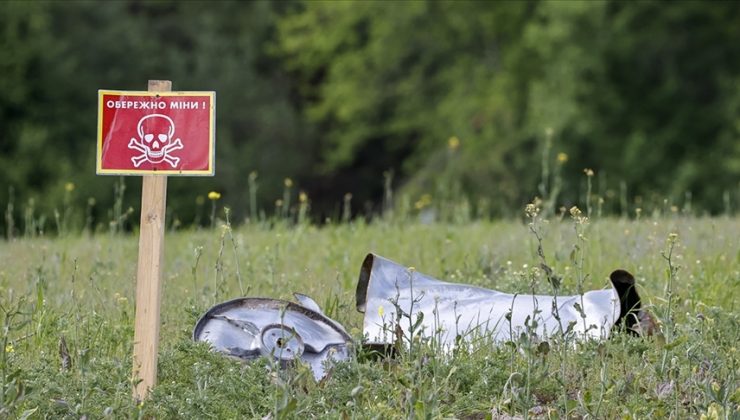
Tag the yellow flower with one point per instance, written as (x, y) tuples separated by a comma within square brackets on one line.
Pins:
[(575, 211), (423, 201), (562, 157), (589, 172), (69, 187), (302, 197), (9, 348), (672, 237), (453, 143), (213, 195), (381, 311), (288, 182)]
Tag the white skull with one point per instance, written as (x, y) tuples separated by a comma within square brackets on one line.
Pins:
[(156, 135)]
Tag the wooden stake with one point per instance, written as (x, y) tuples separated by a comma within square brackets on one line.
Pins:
[(149, 274)]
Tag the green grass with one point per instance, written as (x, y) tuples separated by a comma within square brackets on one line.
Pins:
[(81, 288)]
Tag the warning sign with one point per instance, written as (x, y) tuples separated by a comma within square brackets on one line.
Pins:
[(166, 133)]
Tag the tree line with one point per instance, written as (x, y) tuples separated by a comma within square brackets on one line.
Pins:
[(492, 102)]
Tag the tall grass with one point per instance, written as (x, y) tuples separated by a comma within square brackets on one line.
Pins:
[(67, 305), (79, 289)]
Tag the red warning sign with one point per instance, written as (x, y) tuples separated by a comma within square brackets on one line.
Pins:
[(166, 133)]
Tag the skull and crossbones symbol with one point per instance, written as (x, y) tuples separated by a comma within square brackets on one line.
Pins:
[(156, 141)]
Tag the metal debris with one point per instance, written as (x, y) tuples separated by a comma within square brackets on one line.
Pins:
[(399, 303), (249, 328), (396, 299)]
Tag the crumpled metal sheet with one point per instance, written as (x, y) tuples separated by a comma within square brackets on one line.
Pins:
[(396, 300), (249, 328), (392, 296)]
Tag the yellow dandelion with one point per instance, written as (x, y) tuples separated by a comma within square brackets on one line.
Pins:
[(214, 195), (453, 143), (303, 197), (288, 182), (9, 348), (69, 187), (562, 157)]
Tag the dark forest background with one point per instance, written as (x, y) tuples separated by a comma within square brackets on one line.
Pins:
[(490, 102)]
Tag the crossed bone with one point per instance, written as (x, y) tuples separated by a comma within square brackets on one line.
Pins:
[(138, 160)]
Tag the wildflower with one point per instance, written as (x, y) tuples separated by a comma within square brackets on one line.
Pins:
[(672, 237), (278, 203), (453, 143), (69, 187), (253, 175), (288, 182), (303, 197), (381, 311), (9, 348), (588, 172), (575, 212), (562, 157), (531, 210), (412, 268), (423, 201), (213, 195)]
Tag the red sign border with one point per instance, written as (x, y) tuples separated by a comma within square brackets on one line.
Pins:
[(211, 136)]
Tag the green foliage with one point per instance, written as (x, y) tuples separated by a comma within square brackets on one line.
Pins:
[(334, 94), (640, 104)]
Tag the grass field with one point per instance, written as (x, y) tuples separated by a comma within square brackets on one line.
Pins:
[(81, 288)]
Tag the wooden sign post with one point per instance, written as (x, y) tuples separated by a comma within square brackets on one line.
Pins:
[(149, 274), (155, 134)]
